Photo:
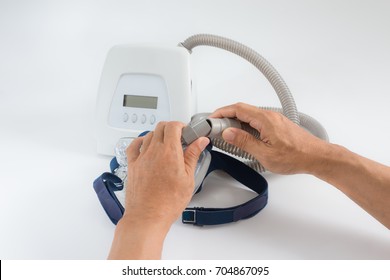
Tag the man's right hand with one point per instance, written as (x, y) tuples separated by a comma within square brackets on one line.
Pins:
[(283, 147)]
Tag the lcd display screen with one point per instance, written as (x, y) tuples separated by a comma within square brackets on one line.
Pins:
[(139, 101)]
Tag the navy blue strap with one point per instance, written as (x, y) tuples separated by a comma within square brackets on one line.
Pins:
[(104, 187), (113, 164), (243, 174)]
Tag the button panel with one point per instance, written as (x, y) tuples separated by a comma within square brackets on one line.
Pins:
[(125, 117), (152, 119), (143, 119)]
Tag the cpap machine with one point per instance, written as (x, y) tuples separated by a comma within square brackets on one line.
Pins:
[(142, 85)]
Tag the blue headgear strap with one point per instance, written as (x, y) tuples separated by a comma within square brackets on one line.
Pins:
[(108, 183), (105, 186)]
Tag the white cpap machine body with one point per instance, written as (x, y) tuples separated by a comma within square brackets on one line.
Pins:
[(140, 86)]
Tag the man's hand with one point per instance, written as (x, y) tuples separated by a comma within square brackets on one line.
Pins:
[(160, 175), (283, 148), (160, 183)]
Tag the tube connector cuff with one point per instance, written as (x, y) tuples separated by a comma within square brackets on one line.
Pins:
[(219, 125), (208, 127), (192, 132)]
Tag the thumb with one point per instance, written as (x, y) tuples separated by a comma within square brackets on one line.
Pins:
[(242, 140), (193, 151)]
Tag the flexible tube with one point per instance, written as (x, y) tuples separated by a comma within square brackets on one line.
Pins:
[(288, 109), (277, 82)]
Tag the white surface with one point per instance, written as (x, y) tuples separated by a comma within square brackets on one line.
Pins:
[(334, 55)]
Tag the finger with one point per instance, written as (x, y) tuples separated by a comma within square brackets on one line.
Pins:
[(243, 140), (172, 133), (193, 151), (243, 112), (147, 139), (132, 151), (159, 132)]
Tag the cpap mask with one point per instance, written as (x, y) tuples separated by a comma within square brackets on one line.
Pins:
[(120, 166), (111, 187), (241, 166)]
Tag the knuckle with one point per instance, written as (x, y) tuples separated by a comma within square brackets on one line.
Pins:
[(148, 136), (239, 105), (175, 124), (273, 114), (278, 116), (161, 124)]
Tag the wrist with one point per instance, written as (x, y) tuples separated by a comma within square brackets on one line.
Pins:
[(138, 239), (130, 222), (325, 158)]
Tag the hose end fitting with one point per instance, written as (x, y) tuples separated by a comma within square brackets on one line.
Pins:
[(192, 132), (219, 125), (207, 127)]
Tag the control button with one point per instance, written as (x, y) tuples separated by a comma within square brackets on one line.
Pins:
[(134, 118), (152, 119), (125, 117), (143, 118)]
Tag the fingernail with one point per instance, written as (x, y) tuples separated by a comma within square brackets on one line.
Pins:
[(228, 135)]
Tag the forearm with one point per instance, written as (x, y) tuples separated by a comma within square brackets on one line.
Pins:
[(286, 148), (365, 181), (138, 240)]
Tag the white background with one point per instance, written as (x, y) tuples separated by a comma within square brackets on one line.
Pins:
[(334, 55)]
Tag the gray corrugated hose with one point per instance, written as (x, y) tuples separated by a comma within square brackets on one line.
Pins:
[(288, 109)]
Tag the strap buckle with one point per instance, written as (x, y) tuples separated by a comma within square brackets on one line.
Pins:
[(189, 216)]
